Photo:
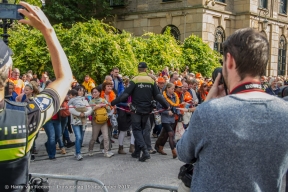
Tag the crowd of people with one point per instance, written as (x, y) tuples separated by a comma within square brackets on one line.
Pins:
[(183, 91), (235, 142)]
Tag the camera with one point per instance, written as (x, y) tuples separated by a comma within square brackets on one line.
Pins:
[(283, 91), (154, 104), (10, 11), (215, 74)]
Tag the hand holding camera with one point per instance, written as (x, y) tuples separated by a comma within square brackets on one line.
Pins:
[(35, 17), (217, 90)]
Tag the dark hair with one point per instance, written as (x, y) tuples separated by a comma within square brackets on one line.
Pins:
[(105, 84), (98, 88), (250, 50), (79, 87), (73, 92)]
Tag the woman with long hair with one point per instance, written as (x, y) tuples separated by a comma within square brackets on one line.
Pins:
[(30, 90), (168, 117), (202, 92)]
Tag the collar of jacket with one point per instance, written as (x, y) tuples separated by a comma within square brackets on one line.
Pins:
[(119, 79), (143, 74)]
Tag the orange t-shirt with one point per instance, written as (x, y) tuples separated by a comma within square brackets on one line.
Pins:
[(19, 85)]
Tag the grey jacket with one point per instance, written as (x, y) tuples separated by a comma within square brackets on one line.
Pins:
[(240, 143), (165, 117)]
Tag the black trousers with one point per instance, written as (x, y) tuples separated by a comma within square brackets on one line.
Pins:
[(141, 130)]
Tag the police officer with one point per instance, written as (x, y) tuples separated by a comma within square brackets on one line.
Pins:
[(20, 122), (143, 89)]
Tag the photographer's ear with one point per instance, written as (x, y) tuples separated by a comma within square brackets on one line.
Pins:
[(230, 62)]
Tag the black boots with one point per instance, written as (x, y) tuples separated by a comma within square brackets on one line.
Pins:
[(145, 155), (135, 154)]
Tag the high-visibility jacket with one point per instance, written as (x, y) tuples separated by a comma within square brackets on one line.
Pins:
[(19, 124), (15, 143)]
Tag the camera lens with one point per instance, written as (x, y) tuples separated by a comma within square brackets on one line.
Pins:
[(215, 73)]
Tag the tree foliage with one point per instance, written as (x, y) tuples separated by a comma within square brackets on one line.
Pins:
[(95, 48), (68, 12)]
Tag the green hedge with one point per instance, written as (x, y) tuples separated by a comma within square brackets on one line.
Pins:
[(95, 48)]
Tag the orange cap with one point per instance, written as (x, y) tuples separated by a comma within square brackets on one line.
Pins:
[(210, 83), (198, 75), (161, 80), (178, 83)]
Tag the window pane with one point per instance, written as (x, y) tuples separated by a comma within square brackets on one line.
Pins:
[(283, 6), (223, 1), (282, 56), (263, 3)]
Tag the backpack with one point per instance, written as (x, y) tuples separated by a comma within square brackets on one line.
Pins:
[(64, 112), (101, 115)]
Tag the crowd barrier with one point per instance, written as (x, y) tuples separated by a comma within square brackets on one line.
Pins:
[(154, 186)]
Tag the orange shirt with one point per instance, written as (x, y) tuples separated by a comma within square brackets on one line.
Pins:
[(187, 97), (19, 85)]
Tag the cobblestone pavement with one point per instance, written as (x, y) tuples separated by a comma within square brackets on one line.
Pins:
[(119, 173)]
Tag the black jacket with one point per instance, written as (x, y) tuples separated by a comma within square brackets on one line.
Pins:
[(143, 89)]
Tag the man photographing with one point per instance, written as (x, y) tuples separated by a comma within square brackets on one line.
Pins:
[(20, 122), (238, 142)]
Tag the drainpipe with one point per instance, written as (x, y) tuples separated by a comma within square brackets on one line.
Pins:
[(184, 25)]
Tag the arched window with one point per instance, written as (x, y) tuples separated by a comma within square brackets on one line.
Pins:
[(282, 56), (173, 30), (219, 39)]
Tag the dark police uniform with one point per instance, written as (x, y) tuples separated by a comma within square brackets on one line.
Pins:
[(19, 124), (143, 89)]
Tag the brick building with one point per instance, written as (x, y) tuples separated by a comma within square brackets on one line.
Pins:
[(212, 20)]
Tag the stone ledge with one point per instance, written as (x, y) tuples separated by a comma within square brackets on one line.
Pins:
[(282, 14), (220, 3)]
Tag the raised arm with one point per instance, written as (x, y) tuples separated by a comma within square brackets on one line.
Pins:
[(37, 19)]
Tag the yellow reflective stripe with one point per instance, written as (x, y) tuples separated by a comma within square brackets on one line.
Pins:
[(29, 145), (13, 141), (12, 153)]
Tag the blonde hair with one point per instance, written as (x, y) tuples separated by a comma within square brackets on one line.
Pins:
[(169, 85)]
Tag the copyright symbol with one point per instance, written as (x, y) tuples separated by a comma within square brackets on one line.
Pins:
[(6, 186)]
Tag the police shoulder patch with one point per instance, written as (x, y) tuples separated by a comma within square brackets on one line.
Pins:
[(43, 102)]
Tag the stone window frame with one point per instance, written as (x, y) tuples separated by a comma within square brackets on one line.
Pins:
[(175, 32), (219, 39), (283, 7), (263, 4), (281, 66)]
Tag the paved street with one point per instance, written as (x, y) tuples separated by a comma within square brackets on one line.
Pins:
[(119, 173), (116, 172)]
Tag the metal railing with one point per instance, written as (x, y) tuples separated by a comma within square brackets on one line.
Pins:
[(73, 178), (154, 186)]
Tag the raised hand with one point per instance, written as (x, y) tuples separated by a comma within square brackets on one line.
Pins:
[(34, 17)]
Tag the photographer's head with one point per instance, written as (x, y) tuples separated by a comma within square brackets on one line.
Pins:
[(5, 64), (246, 54)]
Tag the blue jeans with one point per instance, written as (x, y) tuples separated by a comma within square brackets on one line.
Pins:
[(54, 133), (64, 121), (78, 131)]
